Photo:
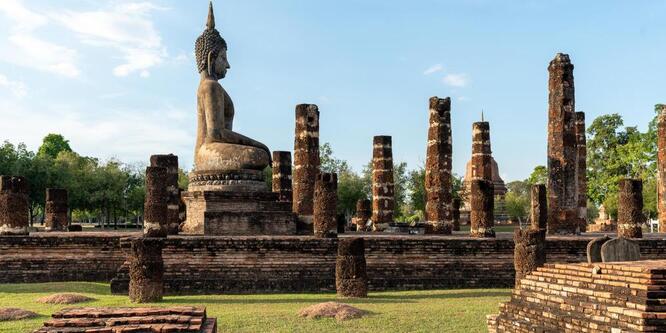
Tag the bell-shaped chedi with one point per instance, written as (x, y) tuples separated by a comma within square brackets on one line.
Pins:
[(227, 193)]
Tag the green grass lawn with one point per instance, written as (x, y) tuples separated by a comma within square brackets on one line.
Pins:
[(461, 310)]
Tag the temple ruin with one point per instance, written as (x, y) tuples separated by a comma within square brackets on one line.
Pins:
[(661, 166), (170, 163), (306, 163), (383, 191), (438, 168), (56, 209), (281, 177)]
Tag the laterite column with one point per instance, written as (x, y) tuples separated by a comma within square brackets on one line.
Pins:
[(581, 170), (383, 191), (363, 214), (325, 205), (482, 217), (630, 208), (170, 163), (155, 209), (661, 166), (146, 270), (539, 207), (529, 251), (438, 168), (306, 163), (55, 210), (351, 279), (455, 214), (14, 207), (562, 190), (282, 175)]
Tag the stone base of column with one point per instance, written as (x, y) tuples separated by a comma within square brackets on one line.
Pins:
[(629, 230), (529, 251), (439, 228), (566, 222), (351, 278), (146, 269)]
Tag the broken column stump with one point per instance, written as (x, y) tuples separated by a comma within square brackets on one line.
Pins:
[(620, 249), (351, 279), (363, 214), (438, 179), (306, 163), (383, 187), (170, 162), (14, 207), (55, 210), (281, 178), (630, 216), (661, 166), (146, 270), (529, 251), (325, 205), (455, 214), (482, 165), (482, 218), (581, 170), (562, 190), (539, 207), (155, 209)]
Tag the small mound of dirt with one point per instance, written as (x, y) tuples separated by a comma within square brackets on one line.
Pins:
[(339, 311), (15, 314), (64, 298)]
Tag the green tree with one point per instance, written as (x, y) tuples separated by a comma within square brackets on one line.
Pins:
[(52, 145), (416, 189), (539, 175)]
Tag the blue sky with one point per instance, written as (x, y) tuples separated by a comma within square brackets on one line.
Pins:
[(118, 78)]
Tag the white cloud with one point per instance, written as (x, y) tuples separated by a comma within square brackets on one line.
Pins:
[(433, 69), (456, 80), (125, 27), (17, 88), (22, 46)]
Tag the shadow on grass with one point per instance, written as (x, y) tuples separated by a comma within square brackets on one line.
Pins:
[(197, 300), (447, 295), (96, 288)]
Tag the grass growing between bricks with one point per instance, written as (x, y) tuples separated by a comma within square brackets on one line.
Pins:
[(461, 310)]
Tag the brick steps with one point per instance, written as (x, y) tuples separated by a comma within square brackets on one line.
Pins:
[(630, 296)]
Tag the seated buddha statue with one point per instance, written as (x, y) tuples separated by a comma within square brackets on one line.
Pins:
[(219, 150)]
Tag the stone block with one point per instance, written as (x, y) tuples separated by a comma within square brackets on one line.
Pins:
[(594, 249), (620, 249)]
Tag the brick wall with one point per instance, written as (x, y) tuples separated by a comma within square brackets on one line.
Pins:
[(243, 264)]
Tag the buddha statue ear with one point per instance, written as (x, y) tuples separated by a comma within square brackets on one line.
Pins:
[(210, 63)]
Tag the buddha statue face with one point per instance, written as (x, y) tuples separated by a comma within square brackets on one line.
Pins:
[(221, 64)]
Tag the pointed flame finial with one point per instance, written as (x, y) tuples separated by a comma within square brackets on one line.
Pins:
[(481, 114), (210, 23)]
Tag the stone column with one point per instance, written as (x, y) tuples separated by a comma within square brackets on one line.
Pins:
[(170, 163), (482, 217), (55, 210), (306, 163), (282, 175), (539, 207), (383, 192), (661, 165), (630, 208), (481, 153), (438, 168), (146, 269), (155, 209), (529, 251), (363, 214), (562, 191), (325, 205), (351, 279), (581, 170), (455, 214), (14, 208)]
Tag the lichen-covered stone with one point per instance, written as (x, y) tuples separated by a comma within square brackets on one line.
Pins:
[(170, 162), (363, 214), (383, 187), (438, 168), (563, 217), (14, 206), (325, 205), (155, 209), (282, 175), (630, 216), (55, 210), (146, 270)]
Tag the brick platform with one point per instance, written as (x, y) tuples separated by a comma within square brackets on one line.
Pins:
[(617, 297), (185, 319)]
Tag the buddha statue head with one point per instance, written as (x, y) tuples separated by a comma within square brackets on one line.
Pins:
[(211, 50)]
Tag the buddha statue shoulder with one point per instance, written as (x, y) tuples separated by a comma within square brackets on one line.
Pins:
[(220, 152)]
